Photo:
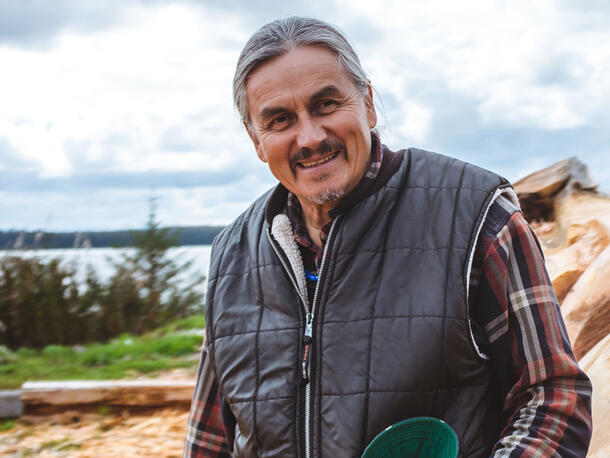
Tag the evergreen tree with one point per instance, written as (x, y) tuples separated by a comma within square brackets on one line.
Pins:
[(162, 293)]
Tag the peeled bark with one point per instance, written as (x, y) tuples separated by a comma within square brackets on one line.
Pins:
[(586, 308), (565, 265)]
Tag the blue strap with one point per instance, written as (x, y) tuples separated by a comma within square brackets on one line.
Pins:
[(310, 276)]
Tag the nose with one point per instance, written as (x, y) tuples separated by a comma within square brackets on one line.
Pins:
[(310, 133)]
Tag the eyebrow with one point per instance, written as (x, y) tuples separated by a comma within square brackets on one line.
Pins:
[(269, 112), (327, 91)]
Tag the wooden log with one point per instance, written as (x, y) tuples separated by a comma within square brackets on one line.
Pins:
[(586, 308), (565, 265), (135, 393), (596, 363), (539, 191)]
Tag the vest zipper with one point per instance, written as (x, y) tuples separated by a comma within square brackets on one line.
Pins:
[(308, 333), (307, 337)]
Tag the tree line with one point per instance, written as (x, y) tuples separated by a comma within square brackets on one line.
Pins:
[(191, 235), (44, 303)]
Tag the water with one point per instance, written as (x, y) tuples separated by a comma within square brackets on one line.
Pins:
[(101, 259)]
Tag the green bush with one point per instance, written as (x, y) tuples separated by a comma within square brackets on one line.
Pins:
[(6, 425), (25, 351), (43, 303), (99, 355), (6, 355), (176, 345), (57, 352)]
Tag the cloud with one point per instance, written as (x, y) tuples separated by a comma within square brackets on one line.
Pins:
[(120, 94), (563, 69), (114, 99), (496, 87), (110, 208), (36, 23), (499, 56), (29, 181), (9, 157)]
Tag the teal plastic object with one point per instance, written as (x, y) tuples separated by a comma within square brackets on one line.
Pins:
[(417, 437)]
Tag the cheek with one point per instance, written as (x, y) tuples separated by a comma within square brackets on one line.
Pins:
[(278, 161)]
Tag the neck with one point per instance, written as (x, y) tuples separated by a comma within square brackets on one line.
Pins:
[(315, 216)]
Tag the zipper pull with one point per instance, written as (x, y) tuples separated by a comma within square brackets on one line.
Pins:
[(305, 362), (307, 346), (309, 325)]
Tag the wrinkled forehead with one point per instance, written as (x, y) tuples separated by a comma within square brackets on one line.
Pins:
[(301, 55)]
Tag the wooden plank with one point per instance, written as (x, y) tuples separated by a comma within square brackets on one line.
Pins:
[(145, 393)]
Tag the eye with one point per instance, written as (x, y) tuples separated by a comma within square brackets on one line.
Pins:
[(326, 106), (279, 122)]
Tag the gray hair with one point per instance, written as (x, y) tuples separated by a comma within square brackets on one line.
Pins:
[(280, 36)]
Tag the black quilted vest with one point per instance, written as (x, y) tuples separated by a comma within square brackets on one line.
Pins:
[(391, 336)]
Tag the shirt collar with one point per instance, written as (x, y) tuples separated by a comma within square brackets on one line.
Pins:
[(295, 212)]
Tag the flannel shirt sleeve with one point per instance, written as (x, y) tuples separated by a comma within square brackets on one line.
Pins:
[(206, 434), (546, 397)]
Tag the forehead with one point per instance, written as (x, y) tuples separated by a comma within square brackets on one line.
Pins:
[(294, 77)]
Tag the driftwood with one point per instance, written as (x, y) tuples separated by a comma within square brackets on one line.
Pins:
[(572, 221), (586, 308), (538, 193), (584, 243)]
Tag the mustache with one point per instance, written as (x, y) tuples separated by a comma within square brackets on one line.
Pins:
[(324, 147)]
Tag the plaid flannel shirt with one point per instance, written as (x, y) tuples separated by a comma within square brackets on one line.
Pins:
[(545, 397)]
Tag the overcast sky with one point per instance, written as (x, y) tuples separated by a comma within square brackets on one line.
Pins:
[(103, 106)]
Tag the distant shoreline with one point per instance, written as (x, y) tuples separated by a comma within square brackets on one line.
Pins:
[(16, 240)]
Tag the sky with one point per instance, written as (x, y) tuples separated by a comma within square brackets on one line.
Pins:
[(105, 104)]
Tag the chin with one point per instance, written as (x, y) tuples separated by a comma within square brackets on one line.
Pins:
[(328, 195)]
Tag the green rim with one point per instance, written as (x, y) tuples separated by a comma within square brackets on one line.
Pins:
[(418, 437)]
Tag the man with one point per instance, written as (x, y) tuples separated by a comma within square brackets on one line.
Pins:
[(371, 286)]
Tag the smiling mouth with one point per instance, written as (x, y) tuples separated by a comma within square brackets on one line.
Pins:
[(311, 164)]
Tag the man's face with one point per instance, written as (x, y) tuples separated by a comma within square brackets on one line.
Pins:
[(310, 123)]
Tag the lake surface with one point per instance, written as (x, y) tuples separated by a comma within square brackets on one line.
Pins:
[(101, 259)]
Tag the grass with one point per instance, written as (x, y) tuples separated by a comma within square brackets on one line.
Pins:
[(165, 348), (6, 425)]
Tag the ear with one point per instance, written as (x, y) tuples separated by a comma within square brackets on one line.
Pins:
[(257, 145), (371, 114)]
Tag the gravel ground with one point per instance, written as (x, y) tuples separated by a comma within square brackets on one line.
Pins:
[(73, 434)]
